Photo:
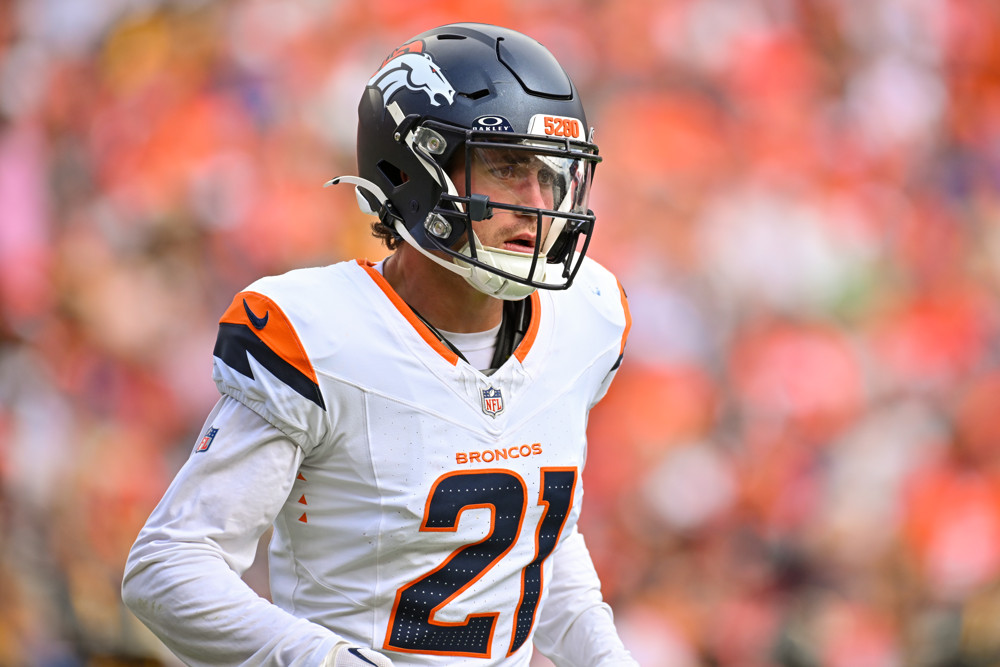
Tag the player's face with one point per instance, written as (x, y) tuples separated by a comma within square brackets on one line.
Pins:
[(518, 177)]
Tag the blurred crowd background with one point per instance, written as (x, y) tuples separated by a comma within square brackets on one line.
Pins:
[(799, 464)]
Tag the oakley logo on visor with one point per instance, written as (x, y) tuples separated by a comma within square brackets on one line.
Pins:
[(492, 124)]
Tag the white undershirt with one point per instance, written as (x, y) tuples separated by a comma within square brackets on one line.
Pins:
[(477, 347)]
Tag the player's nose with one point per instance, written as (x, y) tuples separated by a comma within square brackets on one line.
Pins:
[(531, 192)]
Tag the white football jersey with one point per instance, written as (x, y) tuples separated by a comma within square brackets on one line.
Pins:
[(430, 496)]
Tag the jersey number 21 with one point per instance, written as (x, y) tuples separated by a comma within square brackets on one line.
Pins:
[(412, 627)]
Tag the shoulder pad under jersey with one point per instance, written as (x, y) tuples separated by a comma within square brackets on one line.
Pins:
[(260, 360)]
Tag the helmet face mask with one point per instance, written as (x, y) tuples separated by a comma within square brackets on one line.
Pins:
[(542, 185), (468, 126)]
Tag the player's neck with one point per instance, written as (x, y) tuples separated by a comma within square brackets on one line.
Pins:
[(443, 298)]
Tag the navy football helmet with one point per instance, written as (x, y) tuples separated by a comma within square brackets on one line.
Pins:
[(499, 103)]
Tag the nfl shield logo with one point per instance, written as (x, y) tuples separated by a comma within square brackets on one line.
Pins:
[(492, 401), (206, 441)]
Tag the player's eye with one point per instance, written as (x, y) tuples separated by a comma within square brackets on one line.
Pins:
[(503, 172), (546, 177)]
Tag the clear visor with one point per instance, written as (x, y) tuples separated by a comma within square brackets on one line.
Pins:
[(531, 176)]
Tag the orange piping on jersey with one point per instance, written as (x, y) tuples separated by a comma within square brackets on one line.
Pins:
[(529, 336), (408, 313), (277, 333), (628, 317)]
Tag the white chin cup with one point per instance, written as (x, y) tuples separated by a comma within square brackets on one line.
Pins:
[(515, 263)]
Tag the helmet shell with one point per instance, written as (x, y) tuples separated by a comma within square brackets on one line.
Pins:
[(466, 75)]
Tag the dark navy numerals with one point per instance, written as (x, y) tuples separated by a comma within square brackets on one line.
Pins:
[(412, 625)]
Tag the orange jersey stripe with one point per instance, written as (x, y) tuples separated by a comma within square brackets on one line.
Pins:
[(267, 321), (408, 313), (628, 317), (529, 336)]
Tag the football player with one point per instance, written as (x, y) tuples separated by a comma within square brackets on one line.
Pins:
[(413, 429)]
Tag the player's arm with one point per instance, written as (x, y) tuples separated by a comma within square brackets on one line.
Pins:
[(182, 577), (575, 625)]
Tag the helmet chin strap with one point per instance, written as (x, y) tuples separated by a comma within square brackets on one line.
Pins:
[(483, 280), (495, 285), (359, 185)]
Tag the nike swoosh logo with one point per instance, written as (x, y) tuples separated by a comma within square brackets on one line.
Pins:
[(355, 652), (257, 322)]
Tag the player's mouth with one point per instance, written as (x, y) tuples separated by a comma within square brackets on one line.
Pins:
[(524, 243)]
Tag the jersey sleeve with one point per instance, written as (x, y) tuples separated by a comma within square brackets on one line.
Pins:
[(261, 360), (183, 574), (576, 627), (626, 327), (608, 304)]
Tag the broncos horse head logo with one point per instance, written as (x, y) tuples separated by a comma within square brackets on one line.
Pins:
[(416, 71)]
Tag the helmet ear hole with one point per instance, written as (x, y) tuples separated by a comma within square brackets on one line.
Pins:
[(391, 173)]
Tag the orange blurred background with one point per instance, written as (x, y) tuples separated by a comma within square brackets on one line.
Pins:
[(799, 464)]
